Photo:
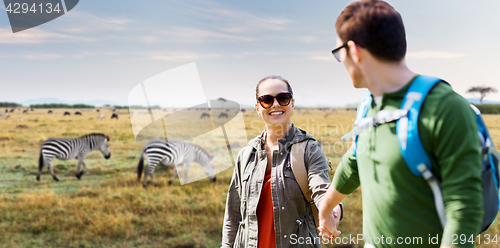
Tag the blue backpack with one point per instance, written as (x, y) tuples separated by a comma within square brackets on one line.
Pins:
[(413, 151)]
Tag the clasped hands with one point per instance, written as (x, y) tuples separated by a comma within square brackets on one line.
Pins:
[(328, 223)]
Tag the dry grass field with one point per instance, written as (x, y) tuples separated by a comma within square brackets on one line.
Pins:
[(110, 208)]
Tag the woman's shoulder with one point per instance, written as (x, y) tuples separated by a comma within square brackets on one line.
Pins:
[(252, 144), (303, 136)]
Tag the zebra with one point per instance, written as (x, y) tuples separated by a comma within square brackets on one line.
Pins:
[(66, 149), (222, 114), (173, 153)]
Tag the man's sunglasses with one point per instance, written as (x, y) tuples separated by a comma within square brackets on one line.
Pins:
[(336, 51), (267, 101)]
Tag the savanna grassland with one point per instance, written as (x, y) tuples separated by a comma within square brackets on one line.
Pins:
[(108, 207)]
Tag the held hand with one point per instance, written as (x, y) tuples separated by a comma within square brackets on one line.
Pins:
[(328, 226)]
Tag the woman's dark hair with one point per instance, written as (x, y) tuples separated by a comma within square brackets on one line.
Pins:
[(376, 26), (272, 77)]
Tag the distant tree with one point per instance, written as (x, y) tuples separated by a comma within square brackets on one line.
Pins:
[(9, 104), (482, 90), (120, 107), (138, 107), (81, 105), (60, 105)]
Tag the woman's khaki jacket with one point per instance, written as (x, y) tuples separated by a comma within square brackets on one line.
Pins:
[(293, 217)]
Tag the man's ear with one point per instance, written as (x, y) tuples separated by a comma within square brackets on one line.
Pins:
[(293, 103), (354, 51), (257, 108)]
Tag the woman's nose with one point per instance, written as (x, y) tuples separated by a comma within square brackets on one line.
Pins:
[(275, 101)]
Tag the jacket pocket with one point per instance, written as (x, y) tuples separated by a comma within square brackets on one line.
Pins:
[(291, 184), (244, 187)]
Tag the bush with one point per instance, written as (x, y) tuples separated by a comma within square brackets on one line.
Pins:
[(489, 108), (10, 104), (60, 105)]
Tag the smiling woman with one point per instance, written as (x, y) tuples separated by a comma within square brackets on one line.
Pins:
[(265, 206)]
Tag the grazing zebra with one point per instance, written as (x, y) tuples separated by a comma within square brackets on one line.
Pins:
[(173, 153), (100, 116), (223, 115), (66, 149)]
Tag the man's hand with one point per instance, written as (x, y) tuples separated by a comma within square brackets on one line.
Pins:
[(329, 213), (328, 224)]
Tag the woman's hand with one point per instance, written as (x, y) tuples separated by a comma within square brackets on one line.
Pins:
[(328, 224)]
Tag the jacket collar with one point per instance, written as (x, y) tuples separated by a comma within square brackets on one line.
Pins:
[(294, 135)]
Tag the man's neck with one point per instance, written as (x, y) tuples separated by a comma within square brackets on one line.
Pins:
[(384, 77)]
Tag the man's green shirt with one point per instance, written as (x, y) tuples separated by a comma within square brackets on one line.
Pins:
[(399, 205)]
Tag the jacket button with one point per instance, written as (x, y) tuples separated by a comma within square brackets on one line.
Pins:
[(284, 236), (282, 208), (299, 222), (281, 153)]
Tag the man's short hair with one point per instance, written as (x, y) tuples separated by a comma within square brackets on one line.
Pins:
[(376, 26)]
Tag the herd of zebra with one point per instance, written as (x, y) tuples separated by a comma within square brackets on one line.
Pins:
[(168, 153), (6, 115)]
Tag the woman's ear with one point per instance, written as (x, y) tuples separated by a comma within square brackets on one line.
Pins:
[(257, 108), (293, 103)]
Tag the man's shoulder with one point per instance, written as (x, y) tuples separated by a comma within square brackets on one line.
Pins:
[(443, 97)]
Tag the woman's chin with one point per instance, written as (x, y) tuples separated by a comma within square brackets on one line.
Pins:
[(279, 122)]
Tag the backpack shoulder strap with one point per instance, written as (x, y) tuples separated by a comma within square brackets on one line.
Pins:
[(410, 145), (300, 173), (299, 168), (363, 107)]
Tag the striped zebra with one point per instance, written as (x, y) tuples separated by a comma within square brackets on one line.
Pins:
[(66, 149), (173, 153)]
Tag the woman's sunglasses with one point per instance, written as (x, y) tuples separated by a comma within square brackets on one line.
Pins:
[(266, 101)]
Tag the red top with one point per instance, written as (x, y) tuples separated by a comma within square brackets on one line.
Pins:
[(265, 215)]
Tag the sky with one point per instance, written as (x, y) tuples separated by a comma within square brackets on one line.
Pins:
[(102, 50)]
